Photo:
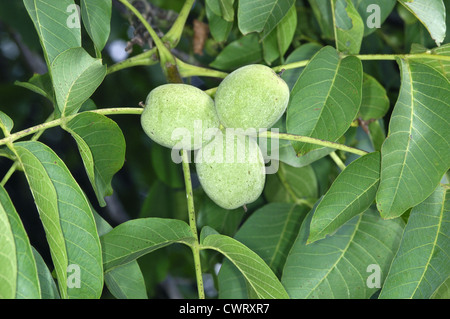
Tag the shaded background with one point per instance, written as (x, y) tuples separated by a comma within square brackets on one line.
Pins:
[(149, 184)]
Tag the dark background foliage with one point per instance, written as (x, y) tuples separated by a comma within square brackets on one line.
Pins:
[(149, 184)]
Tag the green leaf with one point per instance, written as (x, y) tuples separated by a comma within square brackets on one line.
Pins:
[(422, 262), (369, 10), (219, 27), (19, 277), (76, 75), (416, 152), (440, 65), (57, 24), (443, 292), (102, 148), (246, 50), (137, 237), (259, 276), (326, 98), (46, 281), (377, 134), (96, 15), (351, 194), (278, 41), (40, 84), (375, 103), (126, 281), (223, 220), (291, 184), (227, 9), (324, 16), (261, 16), (304, 52), (214, 6), (270, 232), (67, 219), (6, 123), (349, 27), (337, 266), (431, 14)]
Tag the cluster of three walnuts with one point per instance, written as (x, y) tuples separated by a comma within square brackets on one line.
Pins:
[(229, 164)]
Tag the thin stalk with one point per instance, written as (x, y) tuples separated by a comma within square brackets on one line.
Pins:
[(146, 58), (173, 36), (193, 224), (337, 160), (9, 173), (37, 128), (312, 140)]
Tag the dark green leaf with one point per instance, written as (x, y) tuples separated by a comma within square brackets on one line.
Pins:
[(246, 50), (337, 267), (326, 98), (351, 194), (261, 15)]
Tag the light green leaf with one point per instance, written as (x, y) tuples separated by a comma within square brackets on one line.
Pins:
[(6, 123), (57, 24), (96, 16), (422, 262), (246, 50), (67, 219), (219, 27), (137, 237), (102, 148), (431, 14), (375, 103), (261, 16), (326, 98), (269, 232), (227, 9), (76, 75), (278, 41), (8, 257), (258, 275), (416, 152), (19, 278), (46, 281), (214, 6), (377, 134), (349, 27), (351, 194), (440, 65), (337, 267)]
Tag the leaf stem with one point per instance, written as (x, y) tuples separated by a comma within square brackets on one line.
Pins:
[(173, 36), (312, 140), (337, 160), (192, 222), (40, 127)]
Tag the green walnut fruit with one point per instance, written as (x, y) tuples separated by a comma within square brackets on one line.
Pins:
[(179, 116), (231, 170), (253, 96)]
